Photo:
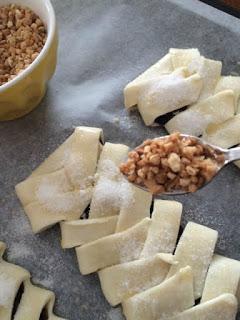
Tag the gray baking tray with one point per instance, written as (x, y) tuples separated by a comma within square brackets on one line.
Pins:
[(103, 45)]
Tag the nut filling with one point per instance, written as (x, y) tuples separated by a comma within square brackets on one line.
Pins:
[(22, 37), (172, 163)]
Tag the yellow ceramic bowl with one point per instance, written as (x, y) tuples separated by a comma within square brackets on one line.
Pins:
[(22, 94)]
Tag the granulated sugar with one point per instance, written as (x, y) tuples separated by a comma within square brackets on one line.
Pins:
[(131, 250), (112, 189), (7, 289)]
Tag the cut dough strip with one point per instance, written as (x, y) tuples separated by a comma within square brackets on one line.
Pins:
[(195, 249), (61, 187), (122, 281), (163, 232), (168, 93), (162, 301), (78, 232), (114, 249), (229, 83), (226, 134), (223, 307), (216, 109), (33, 299), (223, 277), (132, 90), (136, 209), (111, 189)]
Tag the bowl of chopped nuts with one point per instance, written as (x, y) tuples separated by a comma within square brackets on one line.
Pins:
[(28, 54)]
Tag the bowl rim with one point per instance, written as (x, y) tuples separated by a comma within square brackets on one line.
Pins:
[(50, 36)]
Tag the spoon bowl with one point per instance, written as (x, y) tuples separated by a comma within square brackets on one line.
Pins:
[(228, 157)]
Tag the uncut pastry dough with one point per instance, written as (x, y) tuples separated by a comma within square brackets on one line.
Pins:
[(61, 187), (136, 210), (113, 249), (223, 307), (108, 190), (195, 249), (194, 120), (163, 232), (223, 277), (162, 301), (230, 83), (33, 299), (226, 134), (67, 206), (124, 280), (168, 93), (132, 89), (78, 232)]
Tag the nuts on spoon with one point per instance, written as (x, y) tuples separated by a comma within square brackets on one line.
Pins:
[(174, 162)]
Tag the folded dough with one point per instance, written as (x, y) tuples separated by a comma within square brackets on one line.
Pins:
[(195, 249), (132, 89), (67, 206), (194, 120), (113, 249), (78, 232), (136, 209), (209, 70), (124, 280), (226, 134), (61, 187), (229, 83), (223, 307), (162, 301), (111, 189), (223, 277), (33, 299), (168, 93), (163, 232)]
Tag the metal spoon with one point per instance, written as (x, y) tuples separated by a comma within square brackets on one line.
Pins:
[(230, 155)]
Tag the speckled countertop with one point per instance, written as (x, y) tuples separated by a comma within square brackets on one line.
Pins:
[(104, 44)]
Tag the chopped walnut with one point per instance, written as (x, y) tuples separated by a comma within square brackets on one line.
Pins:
[(172, 163), (22, 37)]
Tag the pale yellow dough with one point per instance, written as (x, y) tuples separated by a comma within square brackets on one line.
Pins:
[(162, 301), (215, 109), (132, 90), (168, 93), (226, 134), (223, 307), (163, 232), (33, 299), (124, 280), (195, 249), (113, 249), (223, 277), (136, 210), (230, 83), (78, 232), (61, 187), (103, 203)]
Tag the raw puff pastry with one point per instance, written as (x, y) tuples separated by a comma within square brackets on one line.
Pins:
[(163, 232), (109, 177), (223, 307), (194, 120), (162, 301), (124, 280), (223, 277), (230, 83), (113, 249), (60, 188), (33, 300), (195, 249), (168, 93)]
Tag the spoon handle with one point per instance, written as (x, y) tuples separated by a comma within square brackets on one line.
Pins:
[(233, 154)]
